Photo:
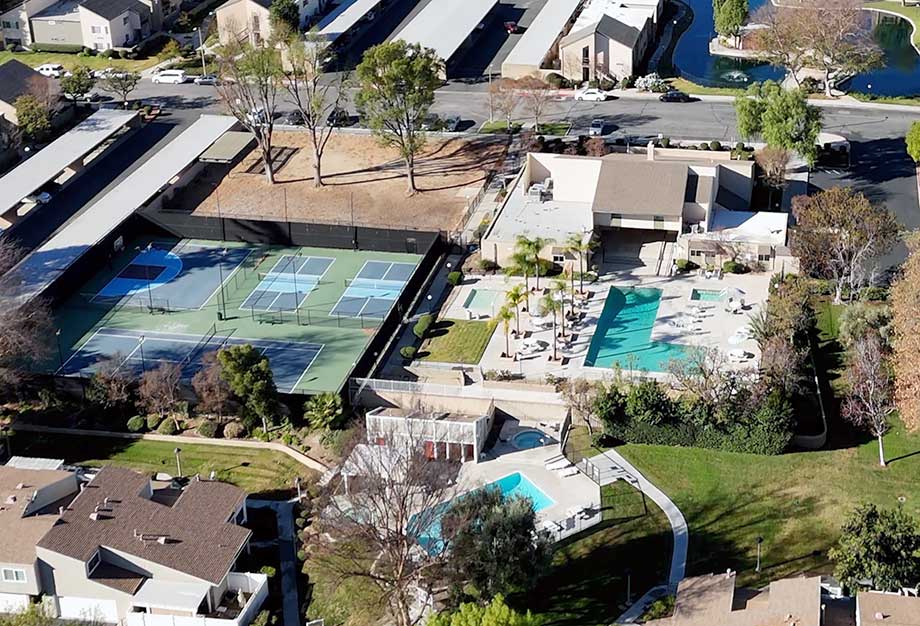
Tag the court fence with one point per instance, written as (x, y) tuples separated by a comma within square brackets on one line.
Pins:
[(306, 317)]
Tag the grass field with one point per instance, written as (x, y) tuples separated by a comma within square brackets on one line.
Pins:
[(250, 469), (692, 88), (69, 60), (912, 13), (456, 341)]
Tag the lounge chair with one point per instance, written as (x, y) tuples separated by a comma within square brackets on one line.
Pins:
[(568, 471), (558, 464)]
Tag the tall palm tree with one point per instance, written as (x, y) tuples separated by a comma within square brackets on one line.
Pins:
[(551, 305), (578, 245), (515, 297), (557, 290), (531, 247), (504, 317)]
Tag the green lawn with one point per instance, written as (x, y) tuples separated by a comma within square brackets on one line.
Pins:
[(901, 100), (499, 126), (456, 341), (692, 88), (69, 60), (248, 468), (912, 13), (554, 128), (586, 584)]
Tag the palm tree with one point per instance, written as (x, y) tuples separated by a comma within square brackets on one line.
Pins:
[(515, 297), (504, 317), (557, 289), (576, 244), (551, 305), (531, 249)]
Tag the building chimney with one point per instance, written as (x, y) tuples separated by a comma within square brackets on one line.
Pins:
[(650, 151)]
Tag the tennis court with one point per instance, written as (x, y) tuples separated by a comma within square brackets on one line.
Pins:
[(288, 283), (144, 349), (372, 291)]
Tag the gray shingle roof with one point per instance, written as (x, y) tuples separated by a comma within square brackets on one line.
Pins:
[(17, 79), (110, 9), (609, 27)]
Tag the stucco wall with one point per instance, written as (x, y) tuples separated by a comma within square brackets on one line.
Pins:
[(57, 31)]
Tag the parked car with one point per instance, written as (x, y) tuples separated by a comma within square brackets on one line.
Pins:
[(432, 122), (51, 70), (257, 117), (172, 77), (452, 123), (597, 127), (674, 96), (338, 117), (295, 118), (207, 79), (591, 94), (39, 197), (89, 97), (511, 27)]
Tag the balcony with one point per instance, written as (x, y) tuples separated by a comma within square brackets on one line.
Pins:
[(239, 605)]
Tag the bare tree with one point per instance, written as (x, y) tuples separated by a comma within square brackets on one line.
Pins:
[(119, 83), (782, 364), (314, 95), (505, 98), (782, 40), (110, 386), (580, 394), (159, 390), (536, 93), (10, 254), (869, 402), (705, 374), (773, 161), (212, 390), (251, 79), (25, 340), (380, 523)]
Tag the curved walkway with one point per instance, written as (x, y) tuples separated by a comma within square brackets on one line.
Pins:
[(612, 464)]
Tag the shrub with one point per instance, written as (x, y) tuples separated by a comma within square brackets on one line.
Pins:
[(664, 142), (651, 82), (208, 429), (685, 265), (628, 82), (704, 146), (107, 54), (324, 410), (168, 427), (810, 84), (422, 325), (137, 424), (268, 570), (234, 430), (557, 80), (606, 84), (455, 278), (874, 294), (408, 352), (734, 267), (648, 403), (153, 420), (56, 47), (715, 145)]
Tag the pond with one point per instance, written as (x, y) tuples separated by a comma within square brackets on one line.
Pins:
[(899, 77)]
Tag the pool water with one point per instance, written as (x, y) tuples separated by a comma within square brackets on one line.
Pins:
[(481, 300), (514, 485), (624, 330), (529, 439), (706, 295)]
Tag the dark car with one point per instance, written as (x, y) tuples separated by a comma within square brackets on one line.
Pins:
[(293, 119), (338, 117), (674, 96)]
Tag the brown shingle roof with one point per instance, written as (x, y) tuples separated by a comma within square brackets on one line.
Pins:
[(637, 187), (200, 541), (18, 79), (117, 578), (21, 529)]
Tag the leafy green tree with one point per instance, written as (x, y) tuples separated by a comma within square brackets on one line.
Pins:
[(913, 142), (878, 545), (285, 13), (495, 613), (78, 84), (730, 16), (396, 85), (323, 411), (170, 50), (647, 402), (529, 249), (120, 83), (492, 545), (249, 375), (782, 117), (34, 117)]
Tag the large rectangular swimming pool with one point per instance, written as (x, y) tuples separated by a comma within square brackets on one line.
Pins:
[(514, 485), (624, 330)]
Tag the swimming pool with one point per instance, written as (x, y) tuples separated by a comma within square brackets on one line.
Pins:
[(527, 439), (624, 330), (706, 295), (481, 300), (514, 485)]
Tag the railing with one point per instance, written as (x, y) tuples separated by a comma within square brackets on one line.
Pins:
[(254, 584)]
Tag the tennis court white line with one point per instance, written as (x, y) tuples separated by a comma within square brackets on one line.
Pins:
[(128, 358), (77, 351), (309, 365), (197, 338), (239, 265)]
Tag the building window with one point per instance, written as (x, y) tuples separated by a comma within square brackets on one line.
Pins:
[(95, 30), (7, 25), (558, 258), (696, 253), (98, 46), (585, 56), (763, 257), (14, 575), (93, 562), (659, 222), (124, 20)]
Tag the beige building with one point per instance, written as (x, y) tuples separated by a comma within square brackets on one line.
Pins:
[(609, 39), (97, 24), (18, 79), (131, 551), (249, 20), (713, 600), (15, 22), (875, 608), (30, 498)]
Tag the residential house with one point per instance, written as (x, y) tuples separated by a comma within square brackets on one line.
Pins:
[(97, 24), (18, 79), (714, 600), (29, 507), (14, 21), (877, 608), (610, 39), (140, 553), (249, 20)]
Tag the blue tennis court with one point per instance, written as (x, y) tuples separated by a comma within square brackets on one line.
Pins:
[(372, 292), (172, 276), (144, 350), (288, 283)]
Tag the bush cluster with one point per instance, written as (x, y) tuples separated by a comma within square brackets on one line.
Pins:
[(408, 352), (153, 420), (234, 430), (685, 265), (168, 427), (422, 325), (734, 267), (208, 429), (488, 265), (455, 278), (56, 47), (754, 420), (137, 424)]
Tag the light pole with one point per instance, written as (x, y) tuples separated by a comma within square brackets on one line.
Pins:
[(57, 338), (221, 301), (628, 573), (759, 542), (140, 345), (178, 451), (491, 119)]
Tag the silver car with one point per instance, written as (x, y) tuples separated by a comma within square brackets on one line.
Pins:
[(596, 128)]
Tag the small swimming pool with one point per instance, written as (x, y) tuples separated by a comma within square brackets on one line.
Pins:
[(515, 485), (482, 300), (624, 330), (706, 295), (527, 439)]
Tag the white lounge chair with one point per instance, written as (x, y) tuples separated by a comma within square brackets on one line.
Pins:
[(551, 526), (568, 471)]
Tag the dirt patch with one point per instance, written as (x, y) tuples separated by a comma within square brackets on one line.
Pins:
[(363, 178)]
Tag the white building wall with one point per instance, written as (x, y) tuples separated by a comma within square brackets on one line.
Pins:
[(13, 603), (96, 30), (21, 15)]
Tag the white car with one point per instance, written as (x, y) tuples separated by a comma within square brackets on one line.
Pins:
[(172, 77), (257, 117), (51, 70), (597, 127), (591, 95)]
